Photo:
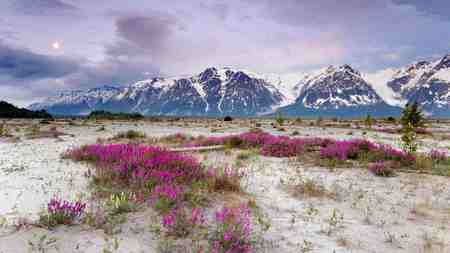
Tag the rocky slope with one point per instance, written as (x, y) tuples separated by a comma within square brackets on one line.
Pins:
[(338, 91), (427, 83)]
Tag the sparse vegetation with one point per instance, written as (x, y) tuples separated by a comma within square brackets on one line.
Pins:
[(130, 134)]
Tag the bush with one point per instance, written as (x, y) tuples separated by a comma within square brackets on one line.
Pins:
[(130, 134), (391, 119), (4, 130), (224, 180), (227, 118)]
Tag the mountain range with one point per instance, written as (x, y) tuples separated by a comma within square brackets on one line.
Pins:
[(336, 91)]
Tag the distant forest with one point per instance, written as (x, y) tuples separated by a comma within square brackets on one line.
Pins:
[(110, 115), (8, 110)]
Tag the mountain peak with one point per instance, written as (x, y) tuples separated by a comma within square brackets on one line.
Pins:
[(342, 68), (443, 63), (349, 69)]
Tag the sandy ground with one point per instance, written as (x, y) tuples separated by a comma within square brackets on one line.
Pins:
[(407, 213)]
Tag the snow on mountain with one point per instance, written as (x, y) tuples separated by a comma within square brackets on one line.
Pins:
[(379, 80), (337, 87), (215, 91), (78, 100), (338, 91), (427, 83)]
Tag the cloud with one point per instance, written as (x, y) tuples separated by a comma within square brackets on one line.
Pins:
[(29, 76), (19, 63), (391, 56), (220, 9), (440, 8), (44, 7), (110, 72), (148, 32)]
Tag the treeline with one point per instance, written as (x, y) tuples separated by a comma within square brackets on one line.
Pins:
[(110, 115), (8, 110)]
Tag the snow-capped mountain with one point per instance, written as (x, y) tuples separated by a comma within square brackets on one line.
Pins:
[(427, 83), (338, 91), (76, 102), (213, 92), (331, 92)]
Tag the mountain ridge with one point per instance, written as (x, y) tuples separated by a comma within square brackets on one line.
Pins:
[(224, 91)]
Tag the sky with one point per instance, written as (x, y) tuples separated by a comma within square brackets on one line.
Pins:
[(51, 45)]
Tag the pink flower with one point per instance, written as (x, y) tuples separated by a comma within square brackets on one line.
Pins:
[(226, 236), (168, 220)]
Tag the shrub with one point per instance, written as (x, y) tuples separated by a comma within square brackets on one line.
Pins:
[(391, 119), (120, 203), (294, 133), (221, 180), (380, 169), (244, 155), (280, 119), (4, 130), (130, 134), (368, 121), (175, 138), (233, 142), (179, 223), (233, 230), (319, 121), (227, 118), (61, 212), (299, 187), (423, 162)]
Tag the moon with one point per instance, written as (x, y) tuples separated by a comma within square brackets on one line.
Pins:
[(56, 45)]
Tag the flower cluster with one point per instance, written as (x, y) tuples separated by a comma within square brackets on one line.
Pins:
[(438, 155), (173, 184), (283, 147), (179, 221), (140, 163), (62, 212), (355, 149), (70, 210), (271, 145), (233, 230), (343, 150), (380, 169)]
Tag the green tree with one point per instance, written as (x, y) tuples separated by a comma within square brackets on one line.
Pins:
[(280, 119), (412, 114), (368, 121), (411, 119)]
